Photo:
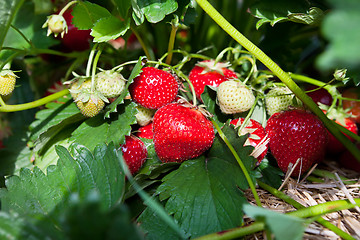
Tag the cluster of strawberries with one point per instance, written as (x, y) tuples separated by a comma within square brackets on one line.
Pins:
[(296, 138)]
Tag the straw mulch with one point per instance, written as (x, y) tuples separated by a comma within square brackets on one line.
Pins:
[(308, 193)]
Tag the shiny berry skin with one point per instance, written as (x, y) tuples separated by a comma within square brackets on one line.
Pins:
[(296, 134), (257, 137), (75, 39), (334, 145), (181, 133), (134, 153), (209, 73), (352, 105), (154, 88), (145, 131), (320, 96)]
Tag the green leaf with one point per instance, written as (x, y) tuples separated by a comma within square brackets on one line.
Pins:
[(270, 175), (340, 28), (203, 195), (154, 227), (279, 11), (220, 150), (10, 226), (209, 100), (109, 28), (97, 130), (80, 219), (283, 226), (55, 117), (155, 10), (123, 7), (87, 220), (30, 25), (36, 193), (87, 14), (8, 9)]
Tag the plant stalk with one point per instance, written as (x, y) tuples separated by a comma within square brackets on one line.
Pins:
[(34, 104), (241, 164)]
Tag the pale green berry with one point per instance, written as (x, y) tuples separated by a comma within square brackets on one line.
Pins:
[(144, 115), (234, 97), (278, 99), (110, 83)]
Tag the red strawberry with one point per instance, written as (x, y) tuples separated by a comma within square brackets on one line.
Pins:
[(352, 94), (320, 95), (75, 39), (209, 73), (257, 137), (181, 133), (296, 134), (154, 88), (145, 131), (134, 153), (340, 117), (347, 160)]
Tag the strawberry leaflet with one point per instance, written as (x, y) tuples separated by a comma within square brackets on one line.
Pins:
[(95, 130)]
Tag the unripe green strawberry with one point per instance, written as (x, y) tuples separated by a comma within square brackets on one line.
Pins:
[(110, 83), (90, 107), (144, 115), (7, 82), (56, 24), (78, 86), (278, 99), (234, 97)]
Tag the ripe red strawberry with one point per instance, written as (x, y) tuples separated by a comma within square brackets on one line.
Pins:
[(181, 133), (296, 134), (343, 118), (257, 137), (146, 131), (320, 95), (208, 73), (134, 153), (352, 105), (154, 88)]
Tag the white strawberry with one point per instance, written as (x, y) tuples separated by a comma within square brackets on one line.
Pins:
[(144, 115), (278, 99), (234, 96), (110, 83)]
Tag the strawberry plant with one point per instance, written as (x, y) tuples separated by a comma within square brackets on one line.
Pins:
[(178, 119)]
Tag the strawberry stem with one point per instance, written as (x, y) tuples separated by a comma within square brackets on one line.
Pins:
[(96, 59), (241, 164), (34, 104), (312, 211), (297, 205), (152, 203), (142, 43), (174, 27), (281, 74), (2, 103), (66, 7), (90, 60)]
